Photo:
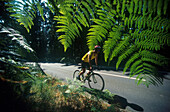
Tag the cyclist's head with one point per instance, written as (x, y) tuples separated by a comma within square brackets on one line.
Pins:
[(97, 48)]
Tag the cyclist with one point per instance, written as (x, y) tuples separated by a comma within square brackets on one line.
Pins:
[(86, 60)]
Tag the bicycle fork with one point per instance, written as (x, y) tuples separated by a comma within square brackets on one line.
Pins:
[(94, 79)]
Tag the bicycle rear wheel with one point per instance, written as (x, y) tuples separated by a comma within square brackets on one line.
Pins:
[(76, 74), (96, 81)]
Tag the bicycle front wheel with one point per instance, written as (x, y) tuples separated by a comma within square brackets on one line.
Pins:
[(76, 74), (96, 81)]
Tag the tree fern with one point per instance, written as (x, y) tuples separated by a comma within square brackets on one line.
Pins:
[(150, 35), (120, 47), (13, 49), (26, 11), (76, 18), (129, 30), (125, 55)]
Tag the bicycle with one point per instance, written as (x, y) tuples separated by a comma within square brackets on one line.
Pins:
[(95, 80)]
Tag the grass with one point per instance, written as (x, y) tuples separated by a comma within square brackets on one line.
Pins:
[(55, 96), (47, 94)]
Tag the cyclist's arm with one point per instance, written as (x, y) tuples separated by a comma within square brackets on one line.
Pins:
[(96, 60), (89, 60)]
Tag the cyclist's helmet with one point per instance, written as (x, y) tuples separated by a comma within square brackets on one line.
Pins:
[(97, 47)]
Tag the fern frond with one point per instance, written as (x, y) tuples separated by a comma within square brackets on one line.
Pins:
[(153, 57), (41, 10), (155, 5), (87, 5), (130, 8), (81, 19), (136, 6), (149, 45), (135, 67), (130, 61), (118, 7), (108, 47), (165, 6), (138, 73), (26, 14), (98, 32), (123, 7), (97, 2), (150, 6), (144, 67), (144, 7), (125, 54), (13, 38), (140, 7), (159, 7), (86, 15), (119, 48), (154, 79), (95, 35), (78, 24)]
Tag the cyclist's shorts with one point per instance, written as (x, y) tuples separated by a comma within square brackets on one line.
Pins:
[(85, 65)]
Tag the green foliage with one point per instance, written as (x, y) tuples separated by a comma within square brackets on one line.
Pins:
[(14, 50), (16, 76), (74, 16), (49, 94), (26, 11), (129, 30), (137, 36)]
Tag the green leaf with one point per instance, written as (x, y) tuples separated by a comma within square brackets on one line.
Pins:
[(130, 61), (140, 6), (165, 6), (159, 7), (41, 10)]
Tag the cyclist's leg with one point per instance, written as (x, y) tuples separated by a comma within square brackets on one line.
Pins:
[(88, 67), (83, 65), (82, 71)]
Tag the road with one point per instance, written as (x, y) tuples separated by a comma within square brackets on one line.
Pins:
[(132, 97)]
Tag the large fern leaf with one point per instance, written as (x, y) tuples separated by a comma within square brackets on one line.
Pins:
[(144, 32), (25, 11), (76, 18)]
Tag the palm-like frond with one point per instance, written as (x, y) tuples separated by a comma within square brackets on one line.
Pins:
[(13, 48), (25, 11), (130, 30), (144, 32), (70, 31), (11, 37), (77, 15)]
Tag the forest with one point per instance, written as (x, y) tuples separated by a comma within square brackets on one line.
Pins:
[(134, 36)]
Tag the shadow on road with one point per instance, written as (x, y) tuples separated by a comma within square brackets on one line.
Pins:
[(123, 103), (115, 99)]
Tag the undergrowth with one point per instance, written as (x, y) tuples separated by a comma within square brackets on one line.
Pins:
[(53, 95), (47, 94)]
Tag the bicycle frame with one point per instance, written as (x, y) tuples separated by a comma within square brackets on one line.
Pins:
[(88, 76), (95, 80)]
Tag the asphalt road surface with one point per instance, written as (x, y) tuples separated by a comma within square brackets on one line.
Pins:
[(132, 97)]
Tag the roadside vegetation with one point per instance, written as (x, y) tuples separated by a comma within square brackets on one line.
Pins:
[(25, 87), (47, 94)]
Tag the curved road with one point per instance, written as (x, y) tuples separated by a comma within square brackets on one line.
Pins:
[(132, 97)]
